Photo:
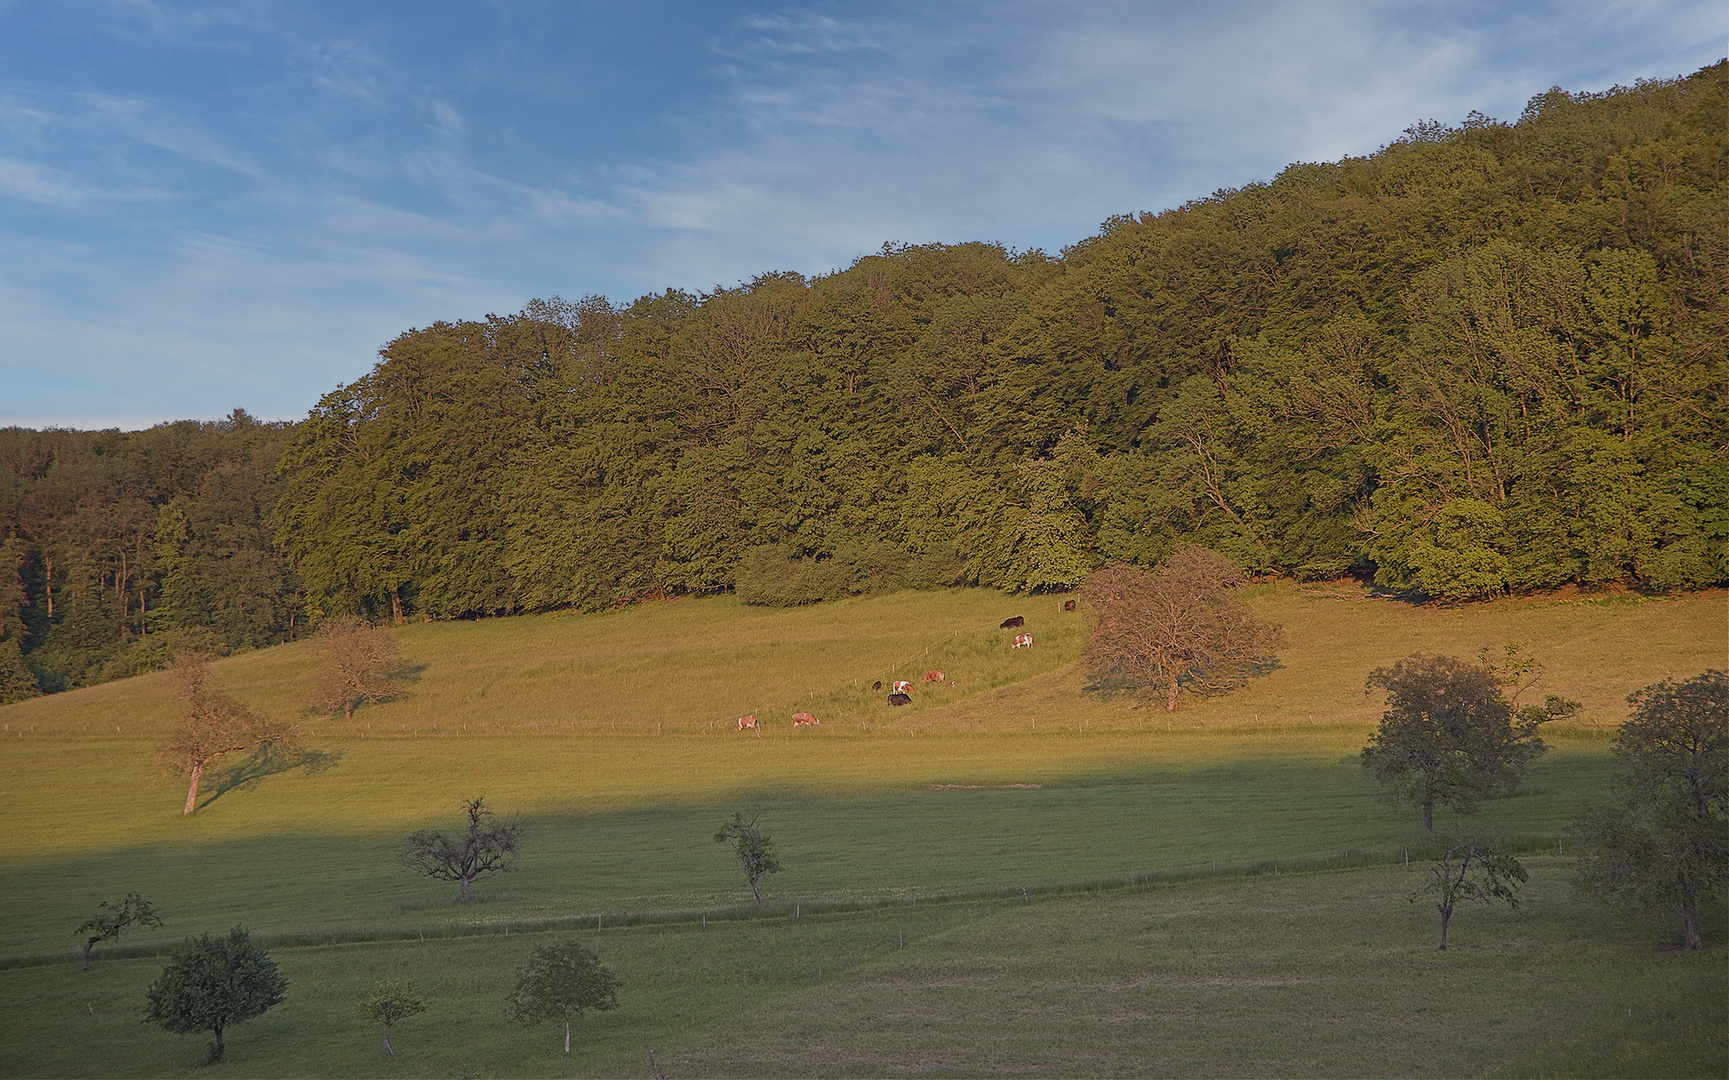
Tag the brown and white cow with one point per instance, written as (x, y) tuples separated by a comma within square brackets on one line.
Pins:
[(901, 687), (800, 719), (934, 676), (747, 721), (1022, 641)]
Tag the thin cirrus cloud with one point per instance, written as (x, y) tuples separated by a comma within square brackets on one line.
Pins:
[(205, 206)]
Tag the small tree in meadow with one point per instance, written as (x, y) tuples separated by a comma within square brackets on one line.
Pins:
[(560, 982), (214, 725), (1174, 626), (356, 662), (213, 984), (1451, 735), (1666, 845), (1472, 873), (488, 847), (753, 849), (113, 916), (390, 1001)]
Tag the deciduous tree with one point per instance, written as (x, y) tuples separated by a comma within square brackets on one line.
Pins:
[(390, 1002), (356, 663), (113, 916), (488, 847), (560, 982), (753, 849), (1472, 872), (215, 725), (1666, 845), (1175, 626), (213, 984), (1450, 735)]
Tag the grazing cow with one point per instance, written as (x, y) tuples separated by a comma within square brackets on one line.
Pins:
[(800, 719), (901, 687), (1010, 624), (878, 685), (1068, 605), (900, 699), (933, 676), (1022, 641), (747, 721)]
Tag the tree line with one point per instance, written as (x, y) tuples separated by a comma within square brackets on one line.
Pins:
[(1486, 358)]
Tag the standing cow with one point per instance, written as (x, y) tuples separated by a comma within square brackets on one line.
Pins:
[(902, 687), (747, 721), (1010, 624), (933, 676), (1022, 641), (803, 719)]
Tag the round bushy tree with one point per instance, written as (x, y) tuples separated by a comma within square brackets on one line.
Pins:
[(212, 984), (560, 982)]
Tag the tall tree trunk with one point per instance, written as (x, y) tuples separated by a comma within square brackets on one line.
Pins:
[(1690, 926), (1429, 815), (757, 891), (192, 791), (395, 608), (387, 1048), (567, 1036), (219, 1047), (1446, 913), (1171, 694), (87, 943), (464, 889)]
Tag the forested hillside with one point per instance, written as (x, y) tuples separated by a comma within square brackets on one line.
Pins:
[(1487, 358), (106, 537)]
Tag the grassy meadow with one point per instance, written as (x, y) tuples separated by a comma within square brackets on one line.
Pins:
[(1214, 892)]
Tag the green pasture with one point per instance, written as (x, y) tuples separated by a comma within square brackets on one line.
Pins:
[(613, 734), (1329, 974)]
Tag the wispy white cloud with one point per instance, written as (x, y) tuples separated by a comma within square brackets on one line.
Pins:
[(322, 179)]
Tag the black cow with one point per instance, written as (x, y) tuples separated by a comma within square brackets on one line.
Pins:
[(900, 699), (1010, 624), (1068, 605), (878, 685)]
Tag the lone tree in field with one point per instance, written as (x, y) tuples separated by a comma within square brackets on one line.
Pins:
[(113, 916), (1666, 846), (488, 847), (1177, 625), (214, 725), (1450, 735), (751, 847), (390, 1002), (1473, 873), (560, 982), (213, 984), (356, 662)]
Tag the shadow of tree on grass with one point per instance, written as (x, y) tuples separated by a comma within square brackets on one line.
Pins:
[(263, 763)]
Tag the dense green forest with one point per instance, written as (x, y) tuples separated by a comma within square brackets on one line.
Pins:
[(1487, 358)]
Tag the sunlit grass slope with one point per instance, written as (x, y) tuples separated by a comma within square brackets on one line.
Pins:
[(614, 735), (1014, 776)]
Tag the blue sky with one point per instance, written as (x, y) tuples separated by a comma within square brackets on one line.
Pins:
[(205, 206)]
